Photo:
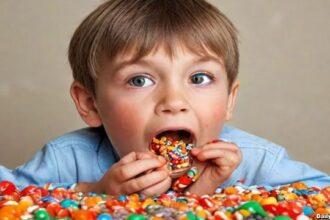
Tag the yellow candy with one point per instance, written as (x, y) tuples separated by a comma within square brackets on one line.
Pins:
[(290, 196), (134, 197), (133, 205), (244, 212), (148, 201), (186, 164), (25, 203), (201, 214), (162, 140), (155, 140), (269, 201)]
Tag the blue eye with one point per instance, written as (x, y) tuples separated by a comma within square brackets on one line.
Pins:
[(201, 78), (140, 81)]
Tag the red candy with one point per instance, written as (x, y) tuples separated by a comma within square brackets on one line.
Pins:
[(206, 202), (7, 188)]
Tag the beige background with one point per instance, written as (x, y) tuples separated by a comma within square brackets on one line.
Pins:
[(284, 73)]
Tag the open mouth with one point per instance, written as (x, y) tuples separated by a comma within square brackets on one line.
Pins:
[(175, 147)]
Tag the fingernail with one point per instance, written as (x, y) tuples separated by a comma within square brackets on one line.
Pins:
[(214, 141)]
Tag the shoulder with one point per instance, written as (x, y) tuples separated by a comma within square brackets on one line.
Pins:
[(248, 142), (82, 139)]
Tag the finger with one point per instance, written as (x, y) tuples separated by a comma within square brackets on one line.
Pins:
[(145, 155), (137, 167), (222, 145), (128, 158), (158, 188), (209, 154), (148, 154), (132, 156), (218, 145), (226, 163), (142, 182)]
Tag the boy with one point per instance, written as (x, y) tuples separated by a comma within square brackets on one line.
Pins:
[(145, 68)]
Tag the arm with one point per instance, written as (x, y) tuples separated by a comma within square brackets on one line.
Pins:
[(283, 170), (40, 170)]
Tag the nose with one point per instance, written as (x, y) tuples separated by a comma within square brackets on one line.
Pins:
[(171, 102)]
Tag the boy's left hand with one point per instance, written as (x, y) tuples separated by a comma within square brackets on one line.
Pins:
[(215, 162)]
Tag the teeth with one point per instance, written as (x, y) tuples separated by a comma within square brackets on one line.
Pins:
[(175, 147), (183, 135)]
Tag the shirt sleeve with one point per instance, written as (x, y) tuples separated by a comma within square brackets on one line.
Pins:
[(41, 169), (285, 171)]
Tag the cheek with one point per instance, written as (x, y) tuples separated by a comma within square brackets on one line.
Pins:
[(123, 123), (123, 118), (212, 117)]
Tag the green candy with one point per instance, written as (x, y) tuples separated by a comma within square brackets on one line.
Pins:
[(190, 216), (136, 217), (191, 173), (254, 207), (41, 214), (282, 217)]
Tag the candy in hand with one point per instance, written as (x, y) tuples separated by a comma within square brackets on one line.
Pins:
[(175, 147)]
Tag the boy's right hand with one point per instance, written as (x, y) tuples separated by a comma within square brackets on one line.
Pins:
[(131, 175)]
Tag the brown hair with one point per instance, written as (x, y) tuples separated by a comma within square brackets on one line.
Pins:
[(119, 25)]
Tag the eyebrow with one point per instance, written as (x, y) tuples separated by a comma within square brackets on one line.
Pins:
[(142, 61)]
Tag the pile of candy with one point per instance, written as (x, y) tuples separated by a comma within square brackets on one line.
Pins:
[(294, 201)]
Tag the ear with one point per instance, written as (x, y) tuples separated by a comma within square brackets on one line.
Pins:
[(85, 104), (232, 100)]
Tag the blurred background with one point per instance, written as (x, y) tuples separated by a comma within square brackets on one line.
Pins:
[(284, 74)]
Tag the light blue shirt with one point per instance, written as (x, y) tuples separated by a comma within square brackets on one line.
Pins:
[(85, 155)]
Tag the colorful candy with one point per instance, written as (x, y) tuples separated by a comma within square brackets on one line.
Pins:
[(175, 151), (186, 180), (233, 202)]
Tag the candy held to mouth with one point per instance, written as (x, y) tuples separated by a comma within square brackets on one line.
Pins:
[(175, 147)]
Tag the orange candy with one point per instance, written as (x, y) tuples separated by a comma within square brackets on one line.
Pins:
[(92, 201), (83, 215), (9, 213)]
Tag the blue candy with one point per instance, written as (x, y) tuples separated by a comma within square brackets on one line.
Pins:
[(122, 198), (68, 203), (104, 216), (307, 210)]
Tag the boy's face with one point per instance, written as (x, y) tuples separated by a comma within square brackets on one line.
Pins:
[(137, 101)]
